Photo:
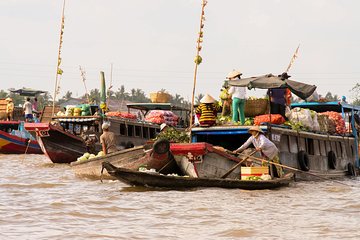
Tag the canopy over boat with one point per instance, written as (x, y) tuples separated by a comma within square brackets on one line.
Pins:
[(27, 92), (267, 81)]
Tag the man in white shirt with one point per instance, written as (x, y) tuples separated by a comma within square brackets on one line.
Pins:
[(28, 110), (238, 98)]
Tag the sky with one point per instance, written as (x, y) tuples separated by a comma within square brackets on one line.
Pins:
[(151, 44)]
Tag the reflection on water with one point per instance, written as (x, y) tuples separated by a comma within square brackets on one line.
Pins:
[(41, 200)]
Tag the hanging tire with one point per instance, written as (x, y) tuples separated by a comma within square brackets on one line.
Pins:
[(331, 160), (129, 145), (161, 146), (303, 160), (351, 170)]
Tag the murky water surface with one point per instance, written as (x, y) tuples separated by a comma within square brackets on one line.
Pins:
[(41, 200)]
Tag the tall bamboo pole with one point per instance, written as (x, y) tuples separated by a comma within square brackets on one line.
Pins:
[(197, 61), (58, 70)]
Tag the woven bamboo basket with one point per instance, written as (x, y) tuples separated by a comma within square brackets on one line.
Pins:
[(255, 107), (159, 97)]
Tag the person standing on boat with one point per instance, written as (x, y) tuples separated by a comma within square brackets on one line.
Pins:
[(28, 110), (280, 97), (225, 97), (108, 140), (206, 112), (9, 109), (263, 145), (238, 98)]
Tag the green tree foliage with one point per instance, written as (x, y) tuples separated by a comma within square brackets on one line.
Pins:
[(356, 94), (332, 98), (198, 98)]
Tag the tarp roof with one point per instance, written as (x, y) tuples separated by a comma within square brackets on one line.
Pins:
[(27, 91), (302, 90)]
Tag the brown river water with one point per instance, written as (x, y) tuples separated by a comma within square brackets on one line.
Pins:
[(41, 200)]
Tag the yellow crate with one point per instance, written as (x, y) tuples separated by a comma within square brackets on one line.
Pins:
[(253, 171)]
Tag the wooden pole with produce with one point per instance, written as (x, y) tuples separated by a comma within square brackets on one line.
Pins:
[(198, 60), (58, 69)]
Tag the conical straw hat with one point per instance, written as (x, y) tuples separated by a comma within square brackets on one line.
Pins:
[(256, 129), (207, 99), (233, 74)]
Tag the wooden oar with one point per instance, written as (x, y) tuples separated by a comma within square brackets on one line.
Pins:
[(294, 169), (27, 145), (238, 164)]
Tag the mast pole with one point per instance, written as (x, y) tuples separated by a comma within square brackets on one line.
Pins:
[(197, 60), (58, 70)]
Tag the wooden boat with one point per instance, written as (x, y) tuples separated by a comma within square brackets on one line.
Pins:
[(203, 160), (136, 178), (58, 145), (317, 153), (15, 140), (133, 158), (62, 142)]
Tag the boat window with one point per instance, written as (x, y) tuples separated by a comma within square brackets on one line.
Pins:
[(293, 145), (137, 131), (130, 131), (310, 146), (328, 147), (284, 143), (316, 147), (122, 129), (145, 132), (322, 148), (333, 148), (152, 132), (302, 144), (339, 149)]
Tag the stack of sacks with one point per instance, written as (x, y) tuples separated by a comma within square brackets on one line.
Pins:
[(162, 116), (337, 120), (274, 119), (306, 117), (121, 115)]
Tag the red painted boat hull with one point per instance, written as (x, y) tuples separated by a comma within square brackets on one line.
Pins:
[(11, 144), (58, 145)]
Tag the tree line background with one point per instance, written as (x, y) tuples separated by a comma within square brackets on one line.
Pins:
[(138, 95)]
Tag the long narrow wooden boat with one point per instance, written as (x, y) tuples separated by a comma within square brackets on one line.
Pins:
[(20, 143), (136, 178), (132, 158), (203, 160), (58, 145)]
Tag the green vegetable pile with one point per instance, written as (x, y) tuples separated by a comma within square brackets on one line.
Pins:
[(172, 135), (254, 178), (295, 126)]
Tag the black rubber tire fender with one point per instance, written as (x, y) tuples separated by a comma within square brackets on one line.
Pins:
[(161, 146), (351, 170), (331, 160), (303, 160)]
